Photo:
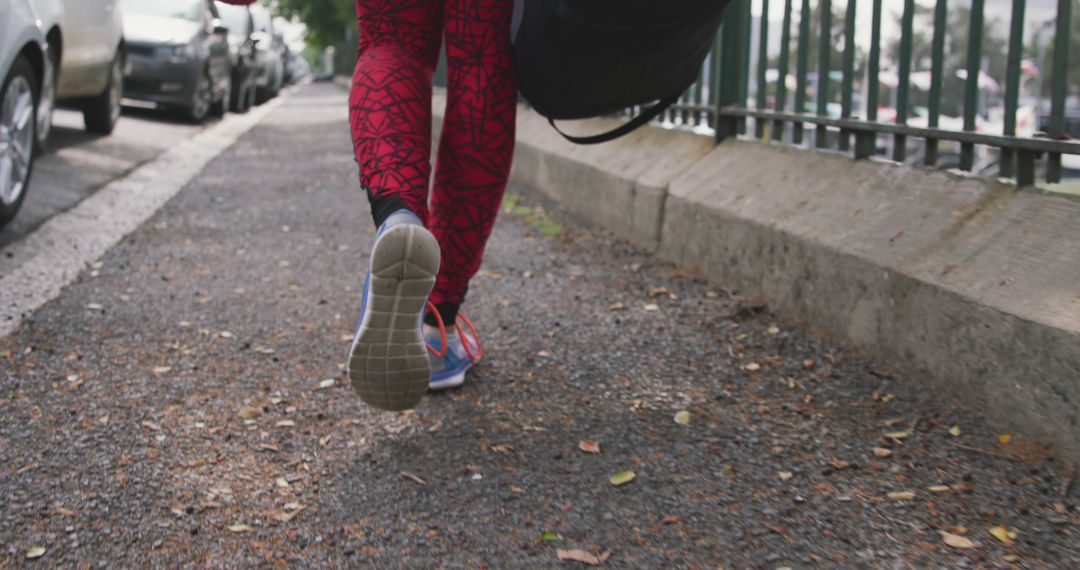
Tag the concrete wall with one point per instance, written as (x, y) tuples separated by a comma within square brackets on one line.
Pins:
[(964, 284)]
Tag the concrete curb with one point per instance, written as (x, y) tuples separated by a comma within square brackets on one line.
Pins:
[(964, 284)]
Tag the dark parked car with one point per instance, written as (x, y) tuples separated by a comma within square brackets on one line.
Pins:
[(270, 52), (242, 55), (178, 55)]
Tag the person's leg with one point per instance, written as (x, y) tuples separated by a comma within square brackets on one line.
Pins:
[(390, 115), (390, 102), (477, 144)]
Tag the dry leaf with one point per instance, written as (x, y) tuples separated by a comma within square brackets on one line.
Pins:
[(617, 307), (93, 307), (902, 495), (651, 307), (956, 541), (899, 434), (578, 555), (502, 448), (239, 527), (225, 334), (773, 330), (938, 488), (839, 464), (35, 552), (671, 519), (286, 423), (1003, 534), (682, 418), (1004, 438), (622, 478), (249, 413), (589, 446), (151, 426), (955, 431), (326, 383), (162, 369), (882, 453), (785, 475), (752, 367), (413, 477)]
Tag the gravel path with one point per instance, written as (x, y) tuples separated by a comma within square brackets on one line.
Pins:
[(185, 404)]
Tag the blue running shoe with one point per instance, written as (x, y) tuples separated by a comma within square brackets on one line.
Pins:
[(388, 362), (448, 367)]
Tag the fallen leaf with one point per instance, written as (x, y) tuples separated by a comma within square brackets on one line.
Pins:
[(502, 448), (516, 489), (249, 413), (65, 512), (652, 307), (1011, 558), (752, 367), (268, 447), (899, 434), (957, 541), (682, 418), (549, 536), (955, 431), (589, 446), (162, 369), (773, 330), (35, 552), (671, 519), (617, 307), (785, 475), (239, 527), (326, 383), (622, 478), (1003, 534), (264, 350), (543, 354), (578, 555), (92, 307), (225, 334), (151, 426), (839, 464), (901, 495), (286, 423), (888, 398), (938, 488), (1004, 438), (413, 477), (882, 453)]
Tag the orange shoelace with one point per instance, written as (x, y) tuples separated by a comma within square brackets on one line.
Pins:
[(465, 342)]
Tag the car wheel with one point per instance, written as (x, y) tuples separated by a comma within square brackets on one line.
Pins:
[(18, 105), (221, 106), (239, 96), (47, 100), (102, 112), (200, 101)]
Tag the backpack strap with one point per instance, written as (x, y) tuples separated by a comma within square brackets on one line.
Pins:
[(625, 128)]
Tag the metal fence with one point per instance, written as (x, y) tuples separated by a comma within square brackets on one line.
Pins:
[(842, 105)]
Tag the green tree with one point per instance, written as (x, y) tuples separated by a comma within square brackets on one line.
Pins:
[(1043, 43), (327, 20)]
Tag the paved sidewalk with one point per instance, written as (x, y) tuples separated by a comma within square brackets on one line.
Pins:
[(185, 404)]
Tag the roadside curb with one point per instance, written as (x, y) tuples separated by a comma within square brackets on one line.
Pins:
[(54, 254), (963, 284)]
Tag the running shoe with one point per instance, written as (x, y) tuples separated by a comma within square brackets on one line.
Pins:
[(448, 367), (388, 362)]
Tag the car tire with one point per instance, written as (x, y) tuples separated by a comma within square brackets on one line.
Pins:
[(102, 112), (18, 121), (199, 108), (238, 99), (47, 99)]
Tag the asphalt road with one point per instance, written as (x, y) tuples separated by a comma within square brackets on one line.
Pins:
[(183, 403), (76, 163)]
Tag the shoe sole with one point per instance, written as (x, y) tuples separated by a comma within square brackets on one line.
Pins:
[(388, 362), (447, 383)]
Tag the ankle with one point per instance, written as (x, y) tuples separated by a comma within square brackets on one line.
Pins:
[(432, 331)]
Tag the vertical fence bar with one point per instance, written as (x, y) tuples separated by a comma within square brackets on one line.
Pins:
[(745, 37), (1012, 83), (971, 85), (762, 67), (848, 85), (731, 66), (937, 69), (782, 69), (699, 90), (866, 142), (821, 133), (800, 70), (1060, 87), (904, 72), (714, 81)]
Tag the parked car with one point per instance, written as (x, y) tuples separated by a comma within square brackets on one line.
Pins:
[(178, 56), (271, 51), (242, 57), (22, 67), (84, 62)]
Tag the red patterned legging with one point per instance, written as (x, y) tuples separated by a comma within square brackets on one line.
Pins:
[(390, 115)]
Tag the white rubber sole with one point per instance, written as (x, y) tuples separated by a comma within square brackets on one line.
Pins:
[(388, 362), (447, 383)]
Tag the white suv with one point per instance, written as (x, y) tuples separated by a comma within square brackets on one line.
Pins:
[(85, 61)]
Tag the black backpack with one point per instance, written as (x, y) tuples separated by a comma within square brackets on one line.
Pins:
[(585, 58)]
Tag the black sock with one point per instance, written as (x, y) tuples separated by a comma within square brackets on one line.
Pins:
[(448, 312)]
